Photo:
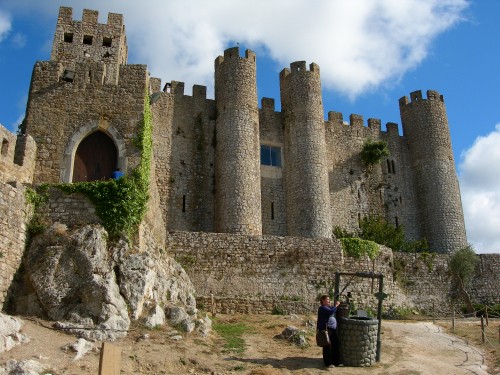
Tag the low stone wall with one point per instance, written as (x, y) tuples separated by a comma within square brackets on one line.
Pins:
[(262, 274), (485, 286), (426, 280), (267, 273), (71, 209)]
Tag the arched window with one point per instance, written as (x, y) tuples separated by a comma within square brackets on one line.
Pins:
[(95, 158), (5, 147)]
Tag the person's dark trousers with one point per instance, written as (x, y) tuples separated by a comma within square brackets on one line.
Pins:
[(334, 347), (327, 355)]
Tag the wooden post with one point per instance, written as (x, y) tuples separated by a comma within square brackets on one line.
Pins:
[(433, 313), (379, 316), (486, 315), (453, 322), (110, 360), (482, 329)]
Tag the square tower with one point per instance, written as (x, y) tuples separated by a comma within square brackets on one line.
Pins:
[(88, 40)]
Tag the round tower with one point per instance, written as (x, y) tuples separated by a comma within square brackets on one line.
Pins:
[(305, 169), (440, 215), (237, 150)]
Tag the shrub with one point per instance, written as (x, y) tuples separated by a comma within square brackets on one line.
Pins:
[(357, 248), (373, 152)]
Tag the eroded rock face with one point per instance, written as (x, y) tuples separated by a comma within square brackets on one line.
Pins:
[(73, 279), (93, 288)]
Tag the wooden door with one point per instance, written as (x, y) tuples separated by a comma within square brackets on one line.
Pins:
[(95, 158)]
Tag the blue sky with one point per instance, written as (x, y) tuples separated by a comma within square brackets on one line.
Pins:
[(370, 54)]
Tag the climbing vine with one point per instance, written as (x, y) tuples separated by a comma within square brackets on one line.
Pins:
[(36, 197), (121, 204)]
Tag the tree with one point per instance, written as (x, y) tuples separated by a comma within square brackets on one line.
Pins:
[(462, 265)]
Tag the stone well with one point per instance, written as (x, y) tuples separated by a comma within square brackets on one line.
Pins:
[(358, 340)]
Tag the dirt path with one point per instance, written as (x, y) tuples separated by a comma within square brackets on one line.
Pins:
[(407, 348)]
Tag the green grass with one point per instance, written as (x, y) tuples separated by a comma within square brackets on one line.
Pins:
[(232, 334)]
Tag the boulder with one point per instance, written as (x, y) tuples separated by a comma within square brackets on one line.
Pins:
[(10, 334), (94, 288)]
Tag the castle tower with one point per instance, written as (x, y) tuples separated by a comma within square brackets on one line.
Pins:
[(90, 41), (425, 125), (305, 169), (237, 161)]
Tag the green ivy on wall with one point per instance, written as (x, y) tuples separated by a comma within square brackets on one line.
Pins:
[(36, 197), (121, 204), (357, 248)]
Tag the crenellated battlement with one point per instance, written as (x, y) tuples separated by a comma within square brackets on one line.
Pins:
[(374, 124), (234, 53), (176, 88), (17, 157), (299, 67), (416, 96), (89, 17), (88, 40), (81, 74)]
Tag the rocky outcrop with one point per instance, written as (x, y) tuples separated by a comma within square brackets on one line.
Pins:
[(10, 332), (93, 288)]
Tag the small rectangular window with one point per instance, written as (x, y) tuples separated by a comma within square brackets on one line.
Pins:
[(68, 37), (270, 155), (87, 39), (106, 42)]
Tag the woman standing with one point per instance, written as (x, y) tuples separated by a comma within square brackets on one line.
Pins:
[(326, 319)]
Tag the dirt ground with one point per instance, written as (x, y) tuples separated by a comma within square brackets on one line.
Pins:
[(407, 348)]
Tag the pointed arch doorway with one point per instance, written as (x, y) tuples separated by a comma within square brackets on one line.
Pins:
[(95, 158)]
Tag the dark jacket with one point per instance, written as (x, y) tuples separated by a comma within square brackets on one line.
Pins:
[(324, 312)]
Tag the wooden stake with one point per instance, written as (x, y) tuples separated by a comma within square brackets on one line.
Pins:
[(482, 329), (110, 360)]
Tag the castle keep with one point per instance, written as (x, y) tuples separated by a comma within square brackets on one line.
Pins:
[(241, 194), (226, 165)]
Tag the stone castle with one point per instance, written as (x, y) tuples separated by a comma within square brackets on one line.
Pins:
[(227, 174), (226, 165)]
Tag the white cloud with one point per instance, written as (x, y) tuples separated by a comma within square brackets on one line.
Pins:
[(479, 174), (5, 25), (19, 40), (358, 44)]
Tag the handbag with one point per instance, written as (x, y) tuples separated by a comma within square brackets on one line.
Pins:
[(322, 338)]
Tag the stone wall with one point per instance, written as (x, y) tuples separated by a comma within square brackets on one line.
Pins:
[(14, 215), (260, 273), (61, 114), (183, 147), (264, 273), (485, 287), (70, 209), (426, 280), (17, 160), (355, 190), (17, 157)]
